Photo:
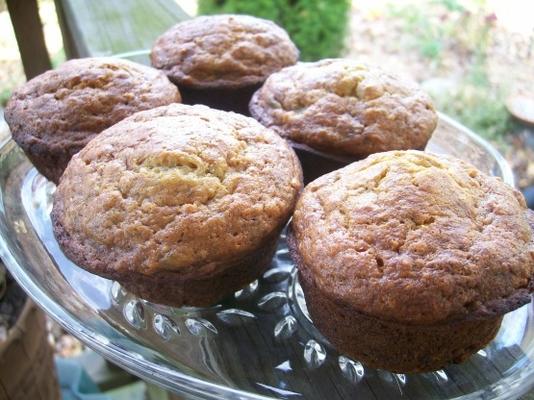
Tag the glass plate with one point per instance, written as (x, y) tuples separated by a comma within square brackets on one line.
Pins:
[(258, 344)]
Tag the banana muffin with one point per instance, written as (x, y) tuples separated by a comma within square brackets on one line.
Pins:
[(408, 260), (336, 111), (55, 114), (221, 60), (183, 205)]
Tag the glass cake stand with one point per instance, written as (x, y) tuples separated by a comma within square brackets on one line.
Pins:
[(258, 344)]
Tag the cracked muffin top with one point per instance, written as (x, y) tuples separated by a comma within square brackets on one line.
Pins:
[(178, 188), (342, 107), (411, 237), (60, 110), (223, 51)]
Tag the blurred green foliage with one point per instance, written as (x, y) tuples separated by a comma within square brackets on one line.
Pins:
[(446, 25), (58, 58), (4, 96), (478, 104), (447, 28), (478, 108), (317, 27)]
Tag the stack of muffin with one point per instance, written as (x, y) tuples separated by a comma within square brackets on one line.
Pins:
[(184, 204)]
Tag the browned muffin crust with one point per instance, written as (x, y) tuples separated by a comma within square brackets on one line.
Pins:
[(417, 239), (175, 290), (181, 190), (223, 51), (343, 107), (391, 345), (54, 115)]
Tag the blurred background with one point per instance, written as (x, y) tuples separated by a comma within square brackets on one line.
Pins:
[(475, 58)]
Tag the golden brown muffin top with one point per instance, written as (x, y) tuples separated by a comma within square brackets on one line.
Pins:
[(223, 51), (416, 238), (82, 97), (178, 188), (343, 107)]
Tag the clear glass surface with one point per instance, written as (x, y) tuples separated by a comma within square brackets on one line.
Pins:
[(258, 344)]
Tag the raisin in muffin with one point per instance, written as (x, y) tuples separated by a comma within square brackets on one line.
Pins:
[(408, 261), (221, 60), (336, 111), (55, 114), (181, 204)]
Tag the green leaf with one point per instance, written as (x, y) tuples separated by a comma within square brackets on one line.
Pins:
[(5, 94), (317, 27)]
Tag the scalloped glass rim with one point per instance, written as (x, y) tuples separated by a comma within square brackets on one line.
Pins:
[(134, 361)]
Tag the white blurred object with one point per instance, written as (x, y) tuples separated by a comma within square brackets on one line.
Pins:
[(4, 129), (514, 15), (189, 6)]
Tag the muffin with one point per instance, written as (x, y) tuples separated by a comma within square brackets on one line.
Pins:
[(408, 261), (221, 60), (181, 204), (55, 114), (337, 111)]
